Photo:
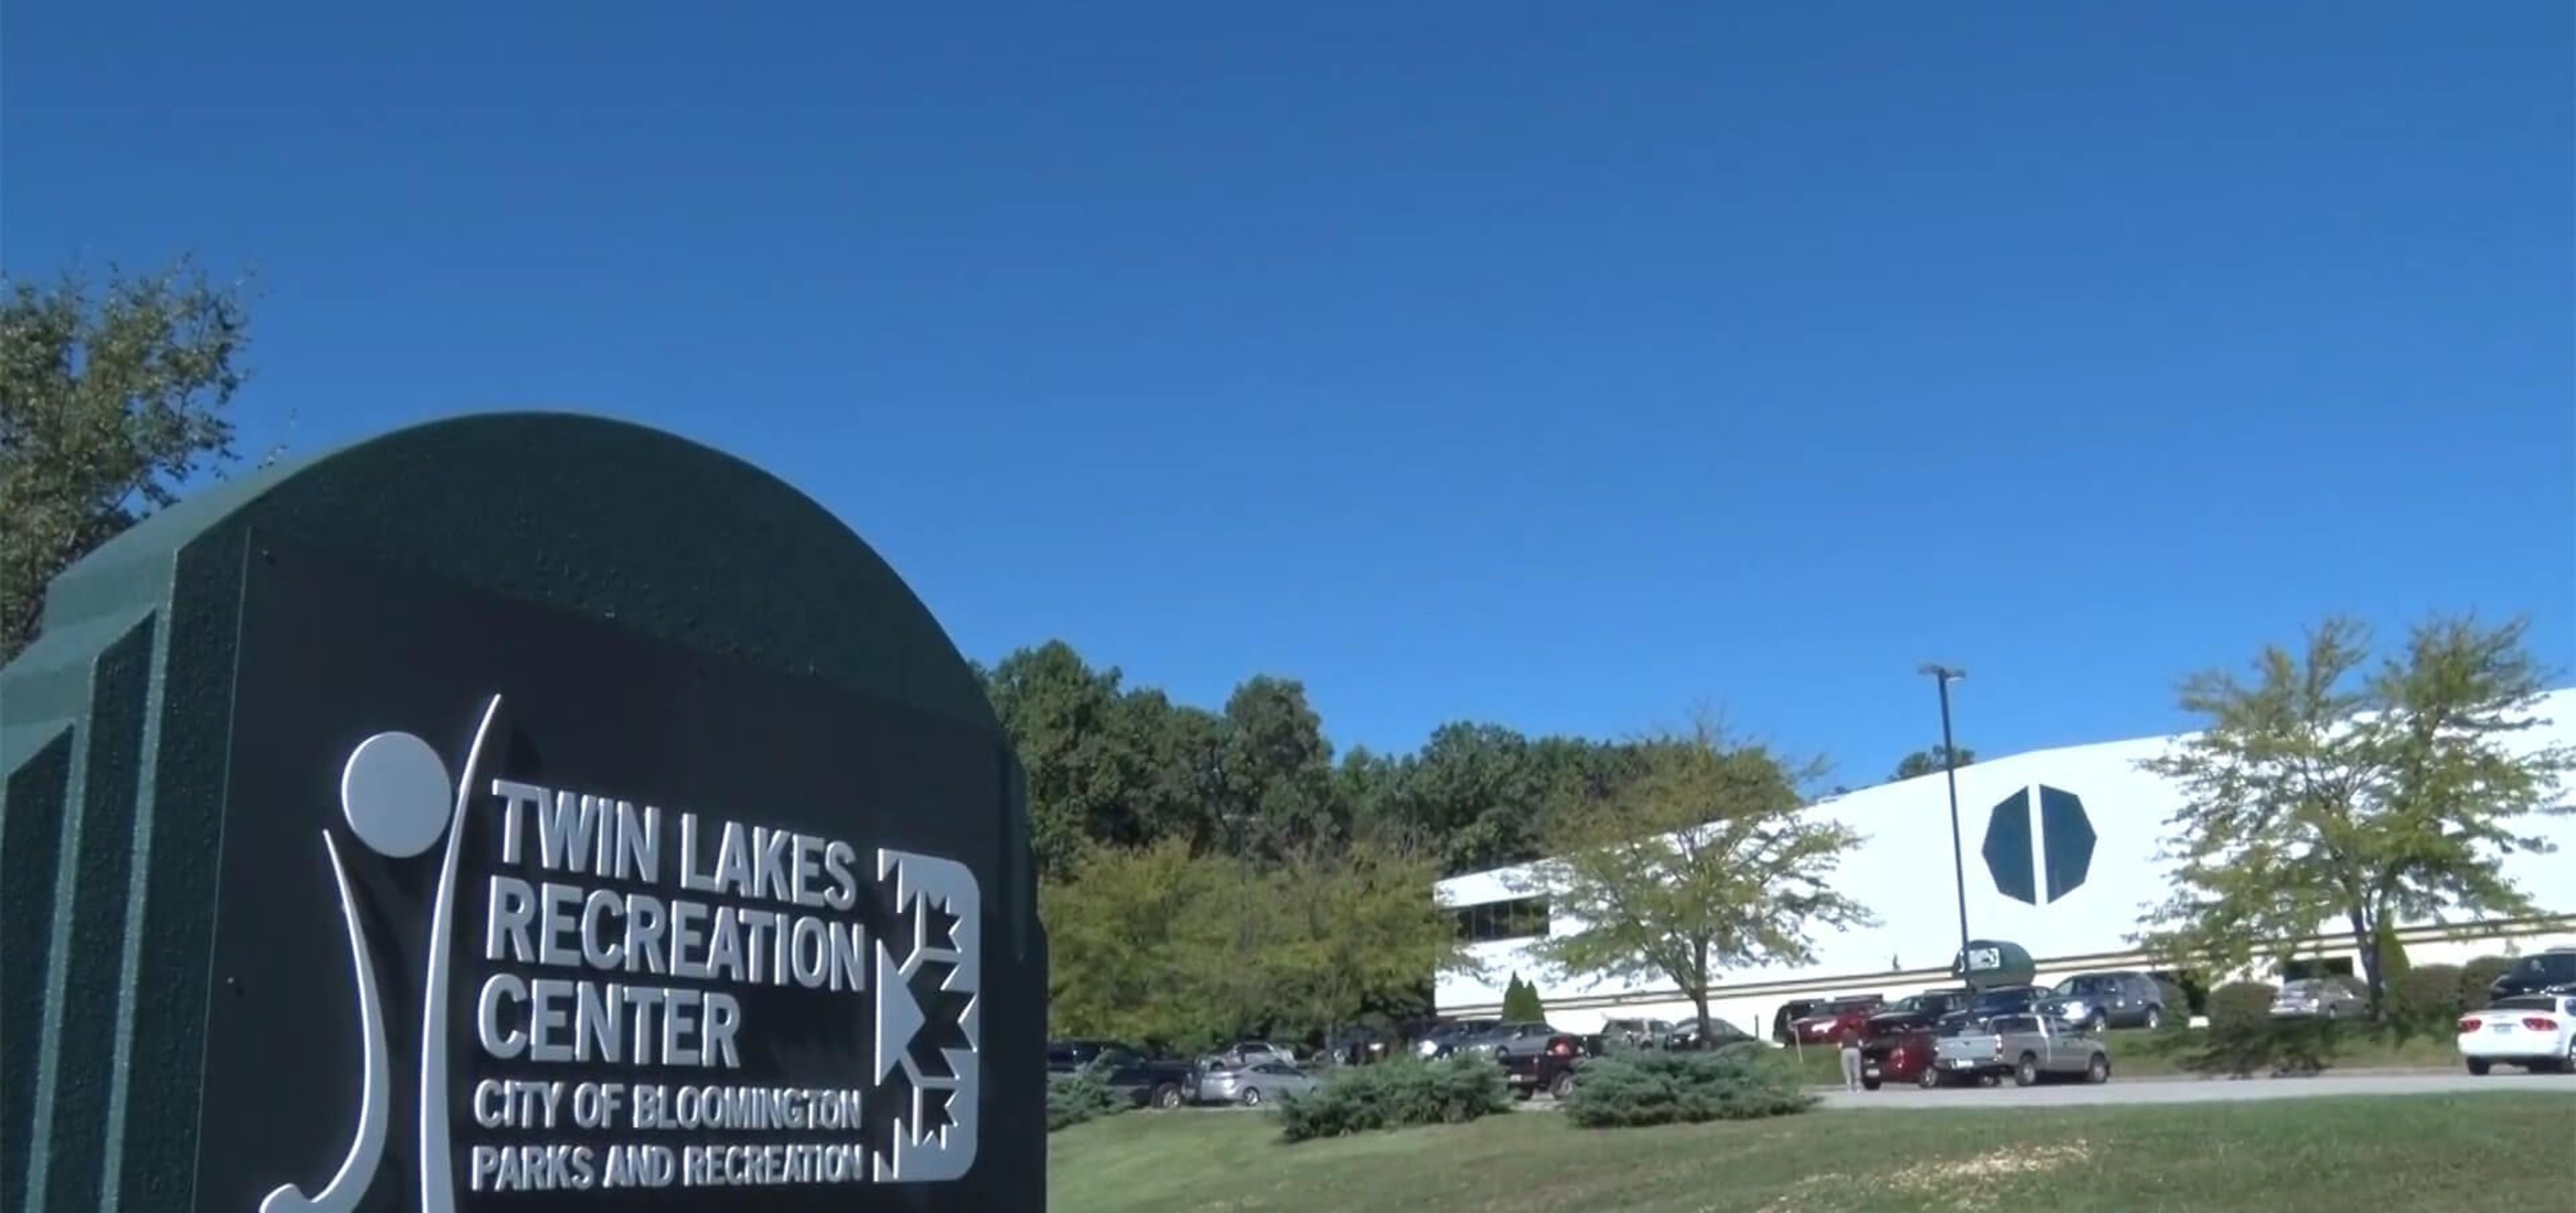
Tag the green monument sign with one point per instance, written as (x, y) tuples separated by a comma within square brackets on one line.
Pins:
[(1988, 963), (525, 811)]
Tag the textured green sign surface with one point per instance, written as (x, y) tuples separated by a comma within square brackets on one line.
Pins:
[(161, 798), (1988, 963)]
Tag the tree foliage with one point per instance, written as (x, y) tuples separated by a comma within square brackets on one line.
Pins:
[(1521, 1002), (1928, 762), (1705, 862), (2326, 795), (110, 400), (1161, 943), (2478, 976), (1657, 1088), (1111, 765), (1362, 935), (1401, 1093)]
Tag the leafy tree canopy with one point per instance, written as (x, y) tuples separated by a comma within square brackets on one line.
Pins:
[(2328, 794), (1927, 762), (1703, 863), (111, 397)]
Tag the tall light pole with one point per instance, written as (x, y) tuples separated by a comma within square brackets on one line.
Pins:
[(1943, 676)]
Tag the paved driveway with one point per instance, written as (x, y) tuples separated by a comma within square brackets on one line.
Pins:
[(2199, 1090)]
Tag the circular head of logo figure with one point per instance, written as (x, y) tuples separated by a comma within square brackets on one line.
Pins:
[(395, 792)]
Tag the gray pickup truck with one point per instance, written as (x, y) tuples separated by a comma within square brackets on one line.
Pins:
[(2028, 1047)]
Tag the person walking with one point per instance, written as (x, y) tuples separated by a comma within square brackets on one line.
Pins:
[(1850, 1038)]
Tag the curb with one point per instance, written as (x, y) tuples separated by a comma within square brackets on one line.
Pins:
[(2329, 1072)]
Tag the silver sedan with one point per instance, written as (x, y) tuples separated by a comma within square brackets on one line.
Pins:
[(1253, 1085), (2335, 997)]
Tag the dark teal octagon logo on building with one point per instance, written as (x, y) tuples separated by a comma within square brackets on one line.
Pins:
[(2048, 847)]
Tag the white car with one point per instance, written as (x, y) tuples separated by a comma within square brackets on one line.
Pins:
[(2534, 1031)]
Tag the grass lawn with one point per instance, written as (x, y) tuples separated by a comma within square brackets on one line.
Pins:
[(2136, 1053), (2385, 1153)]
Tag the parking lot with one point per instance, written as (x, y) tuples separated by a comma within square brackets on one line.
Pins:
[(2143, 1091), (2201, 1090)]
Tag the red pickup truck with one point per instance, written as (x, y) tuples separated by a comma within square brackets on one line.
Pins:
[(1825, 1024), (1550, 1069), (1903, 1055)]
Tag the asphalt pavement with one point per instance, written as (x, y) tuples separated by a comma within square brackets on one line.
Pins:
[(2136, 1091), (2200, 1090)]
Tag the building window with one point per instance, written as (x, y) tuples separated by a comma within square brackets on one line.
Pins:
[(1519, 918)]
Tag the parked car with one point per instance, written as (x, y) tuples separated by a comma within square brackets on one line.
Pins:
[(1789, 1013), (1639, 1033), (2334, 997), (1357, 1046), (1906, 1054), (1066, 1056), (1146, 1081), (2534, 1031), (2538, 973), (2108, 1000), (1507, 1039), (1988, 1003), (1686, 1037), (1443, 1038), (1251, 1085), (1825, 1024), (2028, 1047), (1253, 1052), (1922, 1010), (1550, 1069)]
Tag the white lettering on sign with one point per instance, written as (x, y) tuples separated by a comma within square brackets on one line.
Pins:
[(582, 921)]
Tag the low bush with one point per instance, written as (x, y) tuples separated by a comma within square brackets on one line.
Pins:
[(1396, 1094), (2177, 1004), (1079, 1096), (2244, 1039), (2424, 1001), (1740, 1082), (2240, 1004), (2476, 976)]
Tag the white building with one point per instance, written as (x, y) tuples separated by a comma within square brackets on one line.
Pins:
[(2029, 880)]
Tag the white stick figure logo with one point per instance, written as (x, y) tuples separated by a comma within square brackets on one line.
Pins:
[(397, 797)]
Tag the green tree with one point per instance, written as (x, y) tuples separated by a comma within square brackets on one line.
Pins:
[(1488, 797), (1927, 762), (1700, 864), (1067, 721), (1276, 784), (110, 401), (1175, 752), (1366, 934), (1478, 791), (1521, 1002), (2323, 795), (1135, 952), (1107, 765), (1158, 943)]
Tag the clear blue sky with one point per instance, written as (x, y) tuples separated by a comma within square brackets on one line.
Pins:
[(1533, 363)]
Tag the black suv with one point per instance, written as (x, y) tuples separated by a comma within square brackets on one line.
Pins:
[(1990, 1002), (1915, 1011), (1145, 1081), (2108, 1000), (2537, 972)]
